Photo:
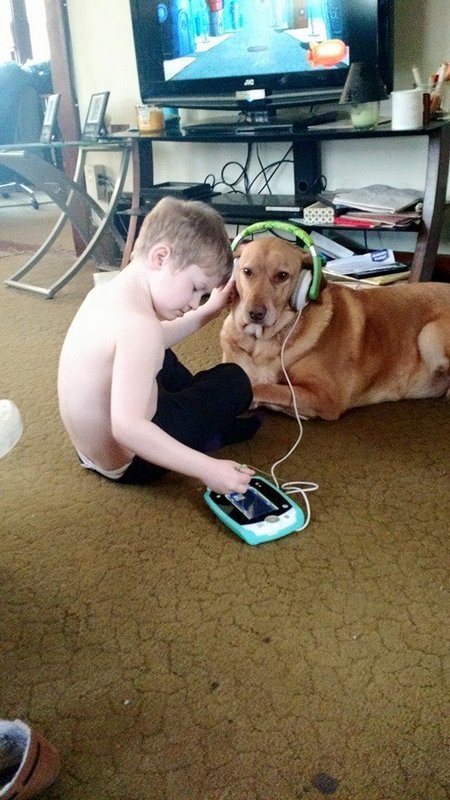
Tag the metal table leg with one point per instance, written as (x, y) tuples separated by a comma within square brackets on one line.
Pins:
[(76, 206)]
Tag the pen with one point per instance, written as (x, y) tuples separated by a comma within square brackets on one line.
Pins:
[(416, 75), (440, 77), (436, 94)]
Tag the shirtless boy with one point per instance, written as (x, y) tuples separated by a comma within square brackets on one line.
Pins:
[(130, 408)]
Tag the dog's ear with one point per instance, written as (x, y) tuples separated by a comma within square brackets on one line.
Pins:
[(305, 257), (233, 298)]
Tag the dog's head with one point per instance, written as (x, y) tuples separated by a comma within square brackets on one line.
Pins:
[(266, 271)]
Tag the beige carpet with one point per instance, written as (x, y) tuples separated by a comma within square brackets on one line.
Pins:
[(166, 659)]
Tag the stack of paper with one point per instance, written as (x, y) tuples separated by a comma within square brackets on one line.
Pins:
[(366, 262), (375, 262)]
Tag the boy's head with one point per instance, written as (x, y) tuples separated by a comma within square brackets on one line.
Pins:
[(195, 233)]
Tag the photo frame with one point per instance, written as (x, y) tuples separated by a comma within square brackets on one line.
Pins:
[(50, 123), (95, 116)]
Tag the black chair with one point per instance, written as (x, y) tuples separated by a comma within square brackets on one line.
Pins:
[(20, 120)]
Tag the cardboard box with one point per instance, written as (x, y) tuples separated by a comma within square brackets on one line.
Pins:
[(318, 213)]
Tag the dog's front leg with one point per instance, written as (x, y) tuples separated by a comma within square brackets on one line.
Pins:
[(309, 403), (276, 397)]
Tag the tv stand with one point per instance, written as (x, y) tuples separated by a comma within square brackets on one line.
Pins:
[(306, 151)]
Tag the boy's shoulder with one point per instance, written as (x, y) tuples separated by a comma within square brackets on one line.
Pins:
[(118, 305)]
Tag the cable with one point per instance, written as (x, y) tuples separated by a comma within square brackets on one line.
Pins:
[(244, 170), (243, 176), (293, 487), (276, 164)]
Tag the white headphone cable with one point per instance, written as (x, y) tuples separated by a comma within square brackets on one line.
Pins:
[(293, 487)]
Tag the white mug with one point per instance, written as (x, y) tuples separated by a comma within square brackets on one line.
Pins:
[(407, 109)]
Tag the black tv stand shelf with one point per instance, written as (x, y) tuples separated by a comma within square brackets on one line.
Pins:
[(306, 146)]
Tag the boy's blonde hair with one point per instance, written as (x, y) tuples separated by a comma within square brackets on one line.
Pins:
[(195, 233)]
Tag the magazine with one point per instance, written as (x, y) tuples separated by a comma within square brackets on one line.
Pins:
[(378, 197), (373, 262)]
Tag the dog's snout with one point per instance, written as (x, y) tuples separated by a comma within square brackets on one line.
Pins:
[(258, 313)]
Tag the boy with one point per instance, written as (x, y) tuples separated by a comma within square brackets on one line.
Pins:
[(130, 408)]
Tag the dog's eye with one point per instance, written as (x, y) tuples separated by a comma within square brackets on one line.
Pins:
[(281, 277), (247, 271)]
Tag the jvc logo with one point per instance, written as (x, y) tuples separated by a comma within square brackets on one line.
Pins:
[(249, 82)]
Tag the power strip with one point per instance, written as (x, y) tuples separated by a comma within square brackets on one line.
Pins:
[(96, 182)]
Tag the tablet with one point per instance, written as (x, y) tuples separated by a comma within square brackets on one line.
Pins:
[(262, 514)]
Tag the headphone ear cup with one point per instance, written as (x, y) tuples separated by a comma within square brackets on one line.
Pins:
[(299, 296), (235, 268)]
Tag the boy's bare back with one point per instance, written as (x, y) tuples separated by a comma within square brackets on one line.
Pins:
[(99, 339)]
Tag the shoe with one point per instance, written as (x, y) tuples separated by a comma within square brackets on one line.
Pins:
[(10, 426), (28, 762)]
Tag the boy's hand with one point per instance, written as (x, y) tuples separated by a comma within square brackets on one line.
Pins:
[(218, 300), (228, 476), (175, 330)]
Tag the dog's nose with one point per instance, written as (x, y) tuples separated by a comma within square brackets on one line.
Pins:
[(258, 313)]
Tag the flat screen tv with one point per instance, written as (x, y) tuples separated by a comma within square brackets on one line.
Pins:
[(212, 53)]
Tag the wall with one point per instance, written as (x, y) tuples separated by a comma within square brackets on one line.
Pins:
[(103, 53)]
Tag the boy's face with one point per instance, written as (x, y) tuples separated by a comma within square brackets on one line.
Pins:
[(175, 291)]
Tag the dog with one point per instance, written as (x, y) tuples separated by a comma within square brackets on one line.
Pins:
[(345, 349)]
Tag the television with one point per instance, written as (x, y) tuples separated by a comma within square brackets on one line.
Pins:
[(256, 55)]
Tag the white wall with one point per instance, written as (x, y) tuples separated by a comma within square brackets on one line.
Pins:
[(421, 37), (104, 58)]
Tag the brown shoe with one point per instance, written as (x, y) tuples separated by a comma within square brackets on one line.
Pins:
[(28, 762)]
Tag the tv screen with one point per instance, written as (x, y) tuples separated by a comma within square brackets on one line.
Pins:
[(197, 51)]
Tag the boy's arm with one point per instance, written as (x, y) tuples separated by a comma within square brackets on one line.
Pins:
[(178, 329), (137, 360)]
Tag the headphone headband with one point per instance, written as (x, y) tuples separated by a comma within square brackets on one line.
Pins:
[(257, 227)]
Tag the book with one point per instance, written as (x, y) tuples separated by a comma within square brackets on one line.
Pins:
[(329, 247), (378, 197), (390, 277), (372, 280), (350, 222), (391, 269), (379, 219)]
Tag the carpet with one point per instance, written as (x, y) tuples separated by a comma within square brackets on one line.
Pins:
[(168, 660), (11, 251)]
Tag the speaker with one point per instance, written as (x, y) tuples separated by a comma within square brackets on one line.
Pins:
[(308, 283)]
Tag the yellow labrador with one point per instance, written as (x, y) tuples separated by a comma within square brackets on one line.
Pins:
[(348, 348)]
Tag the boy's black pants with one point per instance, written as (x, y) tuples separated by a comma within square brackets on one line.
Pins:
[(198, 410)]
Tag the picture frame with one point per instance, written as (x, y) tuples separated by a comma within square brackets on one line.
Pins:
[(95, 116), (50, 123)]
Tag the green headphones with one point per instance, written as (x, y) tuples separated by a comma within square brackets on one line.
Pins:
[(308, 284)]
